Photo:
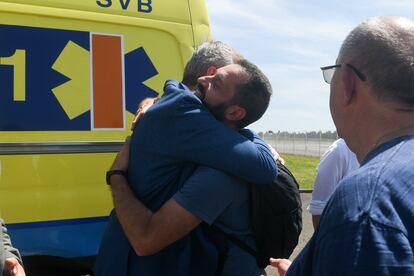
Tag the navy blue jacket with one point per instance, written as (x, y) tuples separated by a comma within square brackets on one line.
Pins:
[(175, 134)]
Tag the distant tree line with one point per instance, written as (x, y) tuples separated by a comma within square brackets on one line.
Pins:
[(331, 135)]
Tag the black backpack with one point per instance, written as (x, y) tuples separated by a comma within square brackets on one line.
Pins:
[(276, 218)]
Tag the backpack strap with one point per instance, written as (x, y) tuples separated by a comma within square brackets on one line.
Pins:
[(242, 245), (220, 242)]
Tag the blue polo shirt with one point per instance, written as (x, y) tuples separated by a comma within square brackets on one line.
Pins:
[(367, 227), (223, 200), (174, 135)]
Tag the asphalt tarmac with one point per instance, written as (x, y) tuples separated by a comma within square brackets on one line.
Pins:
[(306, 234)]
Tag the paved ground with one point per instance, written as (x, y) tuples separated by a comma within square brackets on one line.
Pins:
[(306, 234)]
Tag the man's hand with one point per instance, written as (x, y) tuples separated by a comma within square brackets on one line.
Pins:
[(282, 265), (142, 108), (12, 267), (122, 158)]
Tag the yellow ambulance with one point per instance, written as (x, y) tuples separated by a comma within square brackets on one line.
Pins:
[(71, 76)]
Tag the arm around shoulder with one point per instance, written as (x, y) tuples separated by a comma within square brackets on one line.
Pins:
[(208, 142), (147, 231)]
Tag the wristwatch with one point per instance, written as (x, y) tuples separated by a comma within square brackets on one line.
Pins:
[(114, 172)]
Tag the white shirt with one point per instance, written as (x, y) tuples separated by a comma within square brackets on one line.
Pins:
[(335, 164)]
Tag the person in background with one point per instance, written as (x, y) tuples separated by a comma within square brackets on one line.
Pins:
[(337, 162), (367, 225), (11, 261)]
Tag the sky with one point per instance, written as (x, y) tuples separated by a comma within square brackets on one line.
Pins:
[(290, 41)]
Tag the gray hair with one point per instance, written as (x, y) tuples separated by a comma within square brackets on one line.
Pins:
[(212, 53), (382, 48)]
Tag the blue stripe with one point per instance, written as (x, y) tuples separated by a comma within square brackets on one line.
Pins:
[(63, 238), (51, 223)]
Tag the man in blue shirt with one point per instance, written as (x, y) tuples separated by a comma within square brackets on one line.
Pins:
[(175, 134), (209, 195), (367, 226)]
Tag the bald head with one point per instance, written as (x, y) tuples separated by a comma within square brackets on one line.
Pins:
[(382, 48)]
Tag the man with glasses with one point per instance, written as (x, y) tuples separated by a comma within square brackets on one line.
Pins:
[(366, 227)]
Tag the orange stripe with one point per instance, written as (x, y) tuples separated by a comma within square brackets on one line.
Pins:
[(107, 81)]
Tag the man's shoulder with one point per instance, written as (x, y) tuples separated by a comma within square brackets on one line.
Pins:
[(336, 156), (207, 181), (178, 97), (217, 179), (401, 158), (374, 201), (207, 185), (397, 150), (377, 188), (391, 163), (175, 88), (176, 100)]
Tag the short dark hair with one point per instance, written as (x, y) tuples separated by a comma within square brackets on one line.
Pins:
[(382, 48), (253, 95)]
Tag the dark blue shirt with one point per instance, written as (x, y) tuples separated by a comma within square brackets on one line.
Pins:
[(367, 227), (223, 200), (174, 135)]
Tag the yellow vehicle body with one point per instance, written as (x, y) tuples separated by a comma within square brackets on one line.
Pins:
[(55, 144)]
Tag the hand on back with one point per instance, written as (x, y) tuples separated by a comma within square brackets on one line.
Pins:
[(142, 108), (12, 267), (282, 265)]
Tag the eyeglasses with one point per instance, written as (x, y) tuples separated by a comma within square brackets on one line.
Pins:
[(328, 72)]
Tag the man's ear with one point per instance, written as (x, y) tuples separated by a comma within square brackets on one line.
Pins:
[(211, 71), (234, 113), (348, 80)]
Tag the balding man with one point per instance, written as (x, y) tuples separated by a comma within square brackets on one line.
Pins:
[(367, 226)]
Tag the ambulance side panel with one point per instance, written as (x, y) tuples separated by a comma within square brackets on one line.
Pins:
[(71, 76)]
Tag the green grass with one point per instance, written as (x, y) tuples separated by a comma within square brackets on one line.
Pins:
[(303, 168)]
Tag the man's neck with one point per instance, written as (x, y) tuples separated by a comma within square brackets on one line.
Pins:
[(230, 124), (191, 87), (394, 133), (383, 131)]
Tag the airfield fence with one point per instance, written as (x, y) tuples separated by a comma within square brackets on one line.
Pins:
[(299, 144)]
